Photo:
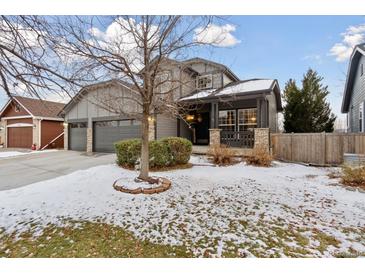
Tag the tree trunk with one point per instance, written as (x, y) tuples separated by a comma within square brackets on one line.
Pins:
[(144, 150)]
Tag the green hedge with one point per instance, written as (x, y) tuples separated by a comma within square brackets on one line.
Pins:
[(179, 149), (166, 152)]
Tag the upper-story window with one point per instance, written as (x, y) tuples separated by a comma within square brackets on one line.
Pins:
[(205, 81)]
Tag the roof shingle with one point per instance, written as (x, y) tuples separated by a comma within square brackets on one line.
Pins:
[(40, 108)]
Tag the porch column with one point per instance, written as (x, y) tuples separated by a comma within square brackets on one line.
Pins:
[(258, 118), (213, 115), (264, 114), (262, 138), (65, 136), (89, 137)]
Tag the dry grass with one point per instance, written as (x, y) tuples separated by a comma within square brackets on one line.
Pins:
[(260, 157), (353, 176), (83, 240), (221, 155)]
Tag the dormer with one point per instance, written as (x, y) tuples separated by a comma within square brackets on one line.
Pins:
[(210, 75)]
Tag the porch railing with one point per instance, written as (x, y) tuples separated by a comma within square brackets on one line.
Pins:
[(244, 139)]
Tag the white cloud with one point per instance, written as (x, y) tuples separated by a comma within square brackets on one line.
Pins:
[(118, 38), (313, 57), (353, 36), (220, 36)]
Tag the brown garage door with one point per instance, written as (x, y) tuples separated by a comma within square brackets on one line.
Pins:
[(20, 137)]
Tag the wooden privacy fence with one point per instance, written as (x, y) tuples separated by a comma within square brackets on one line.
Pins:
[(316, 148)]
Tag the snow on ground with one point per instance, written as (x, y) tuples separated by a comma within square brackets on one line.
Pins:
[(240, 210), (8, 154)]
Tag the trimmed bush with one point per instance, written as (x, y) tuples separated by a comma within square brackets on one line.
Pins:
[(168, 152), (159, 154), (179, 149), (128, 151)]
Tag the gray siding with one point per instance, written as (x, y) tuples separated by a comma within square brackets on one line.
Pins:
[(358, 97), (165, 126), (102, 102), (185, 131)]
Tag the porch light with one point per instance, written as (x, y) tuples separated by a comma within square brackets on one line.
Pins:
[(190, 118), (65, 124), (200, 118), (1, 128), (151, 118)]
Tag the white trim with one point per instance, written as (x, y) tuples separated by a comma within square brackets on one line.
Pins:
[(20, 125), (204, 76), (39, 133), (49, 118), (16, 117)]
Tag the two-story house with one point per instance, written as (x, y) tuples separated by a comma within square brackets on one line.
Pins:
[(215, 96), (353, 102)]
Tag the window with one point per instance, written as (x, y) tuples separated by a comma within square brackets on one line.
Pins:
[(78, 125), (227, 120), (204, 82), (361, 69), (360, 117), (17, 108), (247, 119)]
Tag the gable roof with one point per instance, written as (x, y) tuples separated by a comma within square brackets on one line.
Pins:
[(85, 89), (230, 73), (37, 107), (358, 51), (245, 87)]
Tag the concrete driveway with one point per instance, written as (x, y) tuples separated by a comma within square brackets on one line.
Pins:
[(31, 168)]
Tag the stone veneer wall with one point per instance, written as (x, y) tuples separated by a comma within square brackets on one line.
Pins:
[(89, 140), (262, 138), (214, 136), (3, 124), (36, 136), (65, 137)]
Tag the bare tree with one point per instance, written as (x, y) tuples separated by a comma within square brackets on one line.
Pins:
[(141, 51), (28, 64)]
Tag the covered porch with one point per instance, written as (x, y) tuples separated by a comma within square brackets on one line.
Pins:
[(235, 120)]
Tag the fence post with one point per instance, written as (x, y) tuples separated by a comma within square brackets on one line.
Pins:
[(324, 148), (291, 146)]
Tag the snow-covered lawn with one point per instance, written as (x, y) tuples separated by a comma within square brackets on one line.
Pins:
[(285, 210), (9, 154)]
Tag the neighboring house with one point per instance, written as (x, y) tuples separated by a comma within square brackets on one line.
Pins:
[(27, 121), (353, 102), (216, 96)]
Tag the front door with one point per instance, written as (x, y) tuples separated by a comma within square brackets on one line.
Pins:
[(202, 129)]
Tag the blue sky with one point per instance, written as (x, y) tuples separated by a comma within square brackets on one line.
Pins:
[(284, 47)]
